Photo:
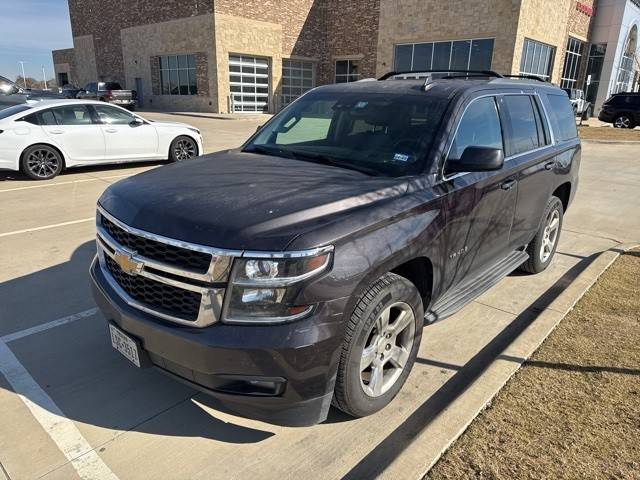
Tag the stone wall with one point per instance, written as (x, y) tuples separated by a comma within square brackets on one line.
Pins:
[(105, 20), (86, 68), (64, 61), (143, 45)]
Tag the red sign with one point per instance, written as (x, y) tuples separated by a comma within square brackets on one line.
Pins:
[(586, 9)]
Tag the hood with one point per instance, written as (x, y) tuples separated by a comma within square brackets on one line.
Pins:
[(242, 200)]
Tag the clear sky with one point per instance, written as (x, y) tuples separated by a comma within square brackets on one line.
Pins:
[(29, 30)]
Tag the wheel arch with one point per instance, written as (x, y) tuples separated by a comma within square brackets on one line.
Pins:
[(563, 192), (55, 147), (198, 152)]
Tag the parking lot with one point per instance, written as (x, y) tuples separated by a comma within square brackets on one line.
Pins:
[(71, 407)]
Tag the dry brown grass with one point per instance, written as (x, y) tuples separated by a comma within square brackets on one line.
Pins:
[(573, 410), (609, 133)]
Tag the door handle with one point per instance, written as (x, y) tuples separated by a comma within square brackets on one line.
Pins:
[(56, 132), (508, 184), (549, 165), (111, 130)]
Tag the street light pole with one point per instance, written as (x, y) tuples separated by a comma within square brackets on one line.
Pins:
[(44, 78), (24, 78)]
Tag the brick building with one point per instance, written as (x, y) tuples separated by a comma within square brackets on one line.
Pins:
[(257, 55)]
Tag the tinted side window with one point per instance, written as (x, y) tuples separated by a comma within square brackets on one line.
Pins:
[(479, 127), (521, 119), (43, 117), (91, 87), (113, 116), (563, 117), (112, 86), (72, 115)]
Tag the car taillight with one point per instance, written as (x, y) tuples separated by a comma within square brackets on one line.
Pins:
[(109, 95)]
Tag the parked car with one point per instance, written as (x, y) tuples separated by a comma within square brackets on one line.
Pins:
[(12, 94), (622, 110), (297, 271), (69, 91), (581, 107), (41, 139), (110, 92)]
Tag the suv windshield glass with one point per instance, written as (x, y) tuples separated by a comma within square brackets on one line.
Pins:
[(379, 134)]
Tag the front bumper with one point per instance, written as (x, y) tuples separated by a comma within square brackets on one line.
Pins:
[(225, 361)]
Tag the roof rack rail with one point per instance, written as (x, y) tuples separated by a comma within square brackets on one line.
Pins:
[(485, 73), (528, 77)]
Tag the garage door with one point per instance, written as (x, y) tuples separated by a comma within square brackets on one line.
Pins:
[(249, 83)]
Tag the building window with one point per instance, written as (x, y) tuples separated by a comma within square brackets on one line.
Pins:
[(178, 75), (626, 68), (347, 71), (249, 83), (537, 59), (297, 78), (572, 61), (456, 55), (594, 70)]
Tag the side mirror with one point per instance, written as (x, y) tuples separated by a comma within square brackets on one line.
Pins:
[(136, 122), (477, 159)]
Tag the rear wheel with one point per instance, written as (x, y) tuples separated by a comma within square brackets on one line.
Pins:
[(183, 148), (623, 121), (41, 162), (380, 347), (542, 248)]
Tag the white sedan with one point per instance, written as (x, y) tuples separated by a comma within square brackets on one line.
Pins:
[(43, 138)]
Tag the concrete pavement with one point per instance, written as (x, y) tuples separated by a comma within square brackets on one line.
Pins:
[(83, 411)]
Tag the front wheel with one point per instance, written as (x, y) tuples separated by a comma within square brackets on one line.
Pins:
[(41, 162), (543, 246), (183, 148), (381, 343)]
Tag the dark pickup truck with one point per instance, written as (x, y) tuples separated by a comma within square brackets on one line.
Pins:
[(299, 270), (110, 92)]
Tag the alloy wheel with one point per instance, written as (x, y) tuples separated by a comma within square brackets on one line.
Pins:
[(184, 149), (43, 163), (623, 122), (550, 235), (387, 349)]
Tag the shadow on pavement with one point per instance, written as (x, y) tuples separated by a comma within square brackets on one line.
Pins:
[(380, 457), (91, 383), (8, 175)]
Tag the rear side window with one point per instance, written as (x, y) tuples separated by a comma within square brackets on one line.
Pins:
[(112, 86), (72, 115), (43, 117), (479, 127), (563, 117), (524, 124)]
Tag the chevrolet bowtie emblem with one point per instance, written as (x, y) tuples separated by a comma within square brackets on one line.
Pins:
[(126, 262)]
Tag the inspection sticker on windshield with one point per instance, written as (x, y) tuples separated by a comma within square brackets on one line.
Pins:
[(401, 157), (361, 104)]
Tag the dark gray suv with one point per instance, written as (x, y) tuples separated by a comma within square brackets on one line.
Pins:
[(298, 271)]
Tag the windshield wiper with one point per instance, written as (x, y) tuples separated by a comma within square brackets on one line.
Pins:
[(327, 160), (264, 150)]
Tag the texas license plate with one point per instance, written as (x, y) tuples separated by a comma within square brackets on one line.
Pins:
[(125, 345)]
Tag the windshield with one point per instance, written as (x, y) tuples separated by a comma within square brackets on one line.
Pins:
[(379, 134), (7, 112)]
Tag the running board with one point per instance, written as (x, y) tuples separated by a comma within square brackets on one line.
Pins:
[(469, 290)]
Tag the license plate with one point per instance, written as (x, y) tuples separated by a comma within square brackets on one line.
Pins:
[(125, 345)]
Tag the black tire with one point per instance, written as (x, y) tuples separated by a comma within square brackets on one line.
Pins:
[(183, 148), (623, 120), (396, 292), (41, 162), (540, 259)]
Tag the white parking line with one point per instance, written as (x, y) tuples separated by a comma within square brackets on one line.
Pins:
[(46, 326), (70, 182), (62, 431), (46, 227)]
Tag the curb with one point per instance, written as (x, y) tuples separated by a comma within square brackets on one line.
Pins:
[(418, 442), (619, 142), (522, 348)]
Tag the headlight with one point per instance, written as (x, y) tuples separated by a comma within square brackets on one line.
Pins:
[(264, 286)]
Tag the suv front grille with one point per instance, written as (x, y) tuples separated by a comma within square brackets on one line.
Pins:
[(162, 252), (156, 295)]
